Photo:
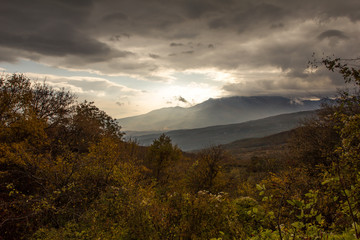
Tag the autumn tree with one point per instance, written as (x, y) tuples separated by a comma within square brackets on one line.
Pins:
[(88, 124), (312, 144), (207, 171), (327, 148), (161, 155), (343, 176), (44, 135)]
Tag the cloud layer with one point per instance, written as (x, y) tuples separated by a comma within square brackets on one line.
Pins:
[(257, 46)]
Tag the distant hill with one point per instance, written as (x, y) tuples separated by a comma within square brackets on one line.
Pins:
[(193, 139), (261, 142), (219, 111)]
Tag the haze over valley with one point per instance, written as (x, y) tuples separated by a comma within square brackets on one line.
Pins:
[(218, 111), (220, 121), (199, 138)]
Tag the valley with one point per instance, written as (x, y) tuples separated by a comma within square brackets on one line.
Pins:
[(198, 138)]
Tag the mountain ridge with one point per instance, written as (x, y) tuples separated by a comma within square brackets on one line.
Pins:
[(220, 111), (194, 139)]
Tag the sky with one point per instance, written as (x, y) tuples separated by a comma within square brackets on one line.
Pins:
[(133, 56)]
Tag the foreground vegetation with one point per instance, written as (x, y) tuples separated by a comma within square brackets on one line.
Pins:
[(66, 173)]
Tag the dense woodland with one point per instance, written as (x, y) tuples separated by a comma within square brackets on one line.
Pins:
[(67, 173)]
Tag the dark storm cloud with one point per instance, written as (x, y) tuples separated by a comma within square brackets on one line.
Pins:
[(181, 99), (6, 55), (128, 36), (176, 44), (58, 41), (118, 16), (155, 56), (217, 23), (196, 8), (258, 14), (24, 17), (296, 73), (277, 25), (51, 28), (332, 33), (118, 37), (188, 52)]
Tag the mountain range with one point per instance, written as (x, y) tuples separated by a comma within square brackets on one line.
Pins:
[(219, 111), (198, 138)]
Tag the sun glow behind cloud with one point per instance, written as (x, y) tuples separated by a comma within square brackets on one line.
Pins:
[(193, 93)]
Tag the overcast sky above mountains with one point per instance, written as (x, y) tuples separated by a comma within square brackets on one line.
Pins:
[(132, 56)]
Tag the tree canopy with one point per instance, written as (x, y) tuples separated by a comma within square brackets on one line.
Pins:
[(67, 173)]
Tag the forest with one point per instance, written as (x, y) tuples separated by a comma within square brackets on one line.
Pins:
[(66, 172)]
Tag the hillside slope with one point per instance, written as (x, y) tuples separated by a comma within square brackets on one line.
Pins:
[(193, 139)]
